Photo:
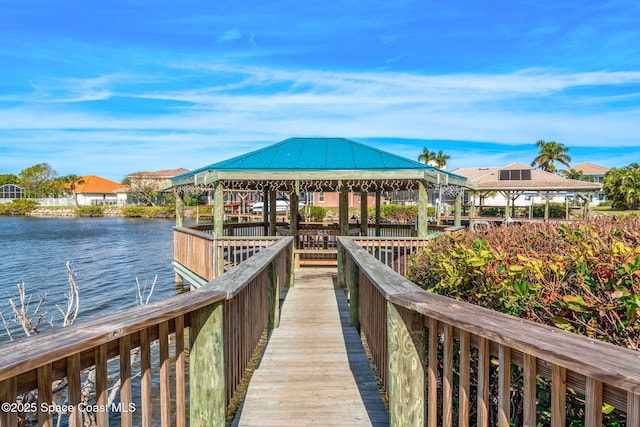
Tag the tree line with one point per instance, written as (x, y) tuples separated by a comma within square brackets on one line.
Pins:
[(40, 180), (621, 185)]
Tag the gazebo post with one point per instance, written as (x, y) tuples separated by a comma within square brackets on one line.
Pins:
[(585, 214), (273, 210), (218, 224), (178, 195), (546, 206), (423, 211), (378, 196), (472, 206), (218, 210), (508, 197), (364, 214), (457, 215), (343, 213), (265, 210), (179, 208), (343, 209), (293, 221)]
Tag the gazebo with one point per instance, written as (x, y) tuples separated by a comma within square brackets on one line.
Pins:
[(517, 179), (317, 164)]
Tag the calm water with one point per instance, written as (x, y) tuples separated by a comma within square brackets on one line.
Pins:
[(107, 255)]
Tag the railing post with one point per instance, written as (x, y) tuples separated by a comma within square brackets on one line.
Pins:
[(341, 267), (633, 409), (406, 366), (273, 295), (354, 303), (45, 418), (291, 263), (8, 392), (207, 388)]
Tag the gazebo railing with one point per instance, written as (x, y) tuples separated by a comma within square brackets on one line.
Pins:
[(202, 256), (393, 252), (441, 360)]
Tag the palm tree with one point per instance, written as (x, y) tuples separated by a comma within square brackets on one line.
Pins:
[(441, 159), (572, 174), (427, 156), (73, 181), (550, 153), (631, 185), (622, 187)]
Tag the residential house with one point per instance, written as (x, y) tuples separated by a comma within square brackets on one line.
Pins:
[(99, 191), (144, 186), (593, 173), (519, 185), (153, 179), (9, 192)]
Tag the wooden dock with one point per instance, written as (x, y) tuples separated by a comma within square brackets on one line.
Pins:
[(314, 370)]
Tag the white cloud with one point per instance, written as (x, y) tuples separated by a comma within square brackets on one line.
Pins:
[(230, 35), (242, 108)]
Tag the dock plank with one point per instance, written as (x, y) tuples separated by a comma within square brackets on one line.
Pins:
[(314, 370)]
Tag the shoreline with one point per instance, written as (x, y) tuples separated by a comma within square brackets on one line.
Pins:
[(109, 212)]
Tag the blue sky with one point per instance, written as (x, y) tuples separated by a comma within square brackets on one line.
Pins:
[(115, 87)]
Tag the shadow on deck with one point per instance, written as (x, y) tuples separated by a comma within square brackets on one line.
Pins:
[(314, 370)]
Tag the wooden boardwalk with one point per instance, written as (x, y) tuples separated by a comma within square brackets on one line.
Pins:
[(314, 370)]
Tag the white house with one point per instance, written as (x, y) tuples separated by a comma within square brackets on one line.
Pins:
[(100, 191)]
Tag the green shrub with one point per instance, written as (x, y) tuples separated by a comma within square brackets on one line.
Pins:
[(316, 213), (400, 213), (556, 210), (133, 211), (18, 207), (90, 211), (148, 211), (580, 277), (492, 211)]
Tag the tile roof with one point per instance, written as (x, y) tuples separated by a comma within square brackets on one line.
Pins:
[(488, 179), (164, 173), (97, 185), (590, 169)]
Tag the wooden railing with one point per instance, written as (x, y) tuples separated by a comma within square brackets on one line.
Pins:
[(248, 229), (393, 252), (225, 320), (445, 362), (393, 230), (205, 255)]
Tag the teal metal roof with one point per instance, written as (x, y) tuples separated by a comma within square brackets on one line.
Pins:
[(295, 154), (312, 154), (294, 157)]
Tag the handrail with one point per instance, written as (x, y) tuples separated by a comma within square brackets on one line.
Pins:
[(218, 323), (410, 317), (204, 256)]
